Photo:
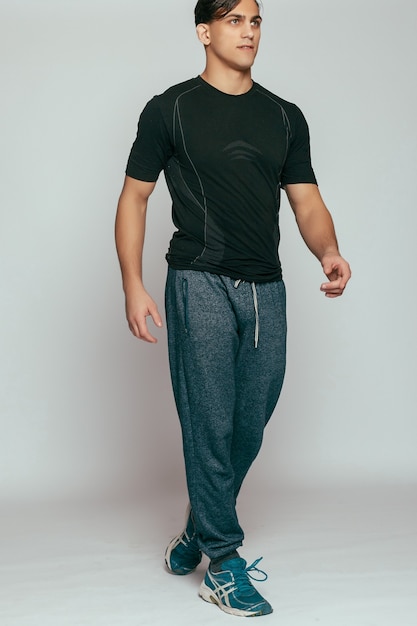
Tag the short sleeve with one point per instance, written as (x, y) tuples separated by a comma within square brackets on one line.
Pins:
[(152, 147), (297, 167)]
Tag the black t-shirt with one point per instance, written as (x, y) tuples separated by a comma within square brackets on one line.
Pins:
[(225, 159)]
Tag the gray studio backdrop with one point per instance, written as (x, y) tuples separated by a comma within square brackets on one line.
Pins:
[(85, 409)]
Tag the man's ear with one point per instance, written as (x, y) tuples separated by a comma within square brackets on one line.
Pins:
[(203, 33)]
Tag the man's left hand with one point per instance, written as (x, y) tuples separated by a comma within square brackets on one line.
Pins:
[(338, 272)]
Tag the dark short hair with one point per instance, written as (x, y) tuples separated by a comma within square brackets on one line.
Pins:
[(207, 11)]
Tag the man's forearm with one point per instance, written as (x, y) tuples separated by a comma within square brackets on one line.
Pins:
[(313, 219), (130, 236), (317, 229)]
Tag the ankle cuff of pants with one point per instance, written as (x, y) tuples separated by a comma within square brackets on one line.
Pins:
[(215, 564)]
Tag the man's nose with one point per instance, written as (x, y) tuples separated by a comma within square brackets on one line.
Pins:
[(248, 31)]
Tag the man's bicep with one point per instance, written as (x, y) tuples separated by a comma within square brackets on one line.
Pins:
[(138, 189), (302, 194)]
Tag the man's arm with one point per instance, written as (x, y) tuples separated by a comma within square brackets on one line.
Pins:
[(130, 236), (316, 227)]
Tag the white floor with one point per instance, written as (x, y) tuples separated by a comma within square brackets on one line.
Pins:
[(334, 558)]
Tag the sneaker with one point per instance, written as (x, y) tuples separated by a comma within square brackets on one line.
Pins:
[(232, 590), (183, 554)]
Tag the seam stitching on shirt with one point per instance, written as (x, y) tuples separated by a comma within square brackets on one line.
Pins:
[(177, 113)]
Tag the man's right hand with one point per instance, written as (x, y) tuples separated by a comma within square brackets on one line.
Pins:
[(139, 305)]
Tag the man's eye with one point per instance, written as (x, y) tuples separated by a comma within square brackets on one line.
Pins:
[(235, 20), (256, 23)]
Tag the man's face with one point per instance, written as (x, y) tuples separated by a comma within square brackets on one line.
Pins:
[(234, 39)]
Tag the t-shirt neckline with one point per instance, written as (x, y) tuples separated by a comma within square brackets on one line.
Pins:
[(223, 93)]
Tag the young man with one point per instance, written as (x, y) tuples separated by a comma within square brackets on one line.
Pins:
[(227, 146)]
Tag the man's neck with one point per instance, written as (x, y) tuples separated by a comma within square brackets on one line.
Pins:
[(232, 82)]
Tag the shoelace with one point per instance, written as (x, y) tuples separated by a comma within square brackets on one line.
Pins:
[(242, 578)]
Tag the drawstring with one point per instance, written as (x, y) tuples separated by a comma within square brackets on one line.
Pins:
[(255, 304)]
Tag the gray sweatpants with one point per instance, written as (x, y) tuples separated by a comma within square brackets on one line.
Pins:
[(227, 346)]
